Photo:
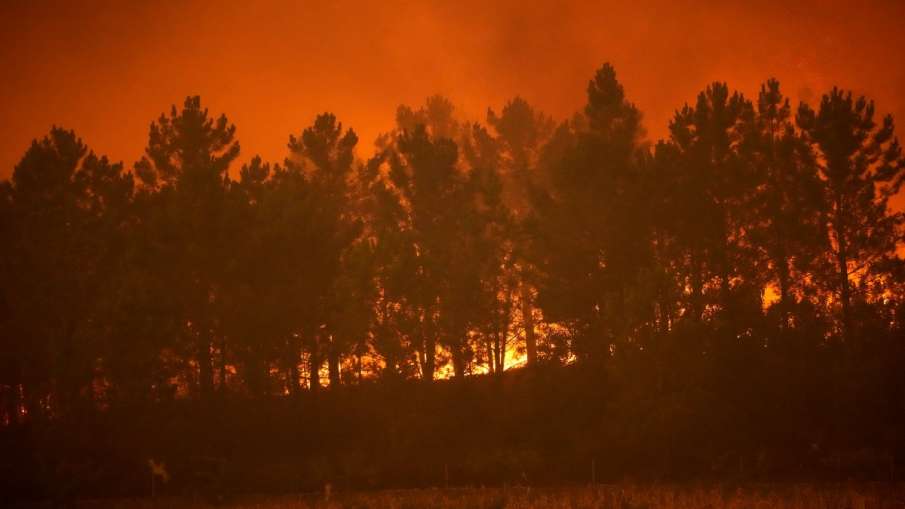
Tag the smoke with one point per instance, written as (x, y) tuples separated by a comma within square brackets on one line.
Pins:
[(106, 69)]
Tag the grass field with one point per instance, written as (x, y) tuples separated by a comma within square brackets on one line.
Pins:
[(837, 496)]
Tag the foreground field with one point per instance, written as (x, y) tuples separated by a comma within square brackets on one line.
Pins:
[(598, 497)]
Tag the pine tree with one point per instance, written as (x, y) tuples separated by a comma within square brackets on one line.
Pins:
[(591, 238), (861, 163), (325, 155), (708, 186), (187, 162), (786, 221), (63, 213), (520, 135)]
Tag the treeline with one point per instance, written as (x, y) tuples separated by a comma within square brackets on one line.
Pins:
[(454, 247), (755, 237)]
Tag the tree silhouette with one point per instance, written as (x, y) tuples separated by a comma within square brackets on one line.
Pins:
[(254, 315), (521, 133), (709, 186), (861, 163), (63, 213), (787, 223), (424, 173), (324, 156), (187, 163), (591, 236)]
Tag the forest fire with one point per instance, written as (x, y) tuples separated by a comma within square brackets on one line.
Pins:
[(541, 286)]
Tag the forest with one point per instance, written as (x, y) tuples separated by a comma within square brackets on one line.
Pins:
[(518, 299)]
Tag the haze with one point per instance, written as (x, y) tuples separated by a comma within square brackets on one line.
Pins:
[(106, 69)]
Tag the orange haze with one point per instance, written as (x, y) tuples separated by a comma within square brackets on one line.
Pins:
[(107, 68)]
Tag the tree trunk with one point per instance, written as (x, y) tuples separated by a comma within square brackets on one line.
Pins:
[(222, 383), (665, 313), (488, 344), (499, 353), (314, 367), (697, 287), (782, 266), (725, 289), (255, 375), (782, 258), (427, 369), (844, 291), (383, 334), (358, 366), (842, 260), (295, 379), (295, 357), (458, 360), (428, 347), (205, 364), (528, 321), (333, 364), (620, 325)]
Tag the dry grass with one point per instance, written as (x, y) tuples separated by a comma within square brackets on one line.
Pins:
[(598, 497)]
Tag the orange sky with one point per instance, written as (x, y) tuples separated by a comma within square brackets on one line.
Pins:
[(107, 68)]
